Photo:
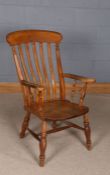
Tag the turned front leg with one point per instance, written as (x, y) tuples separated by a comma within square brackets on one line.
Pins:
[(87, 132), (25, 125), (43, 143)]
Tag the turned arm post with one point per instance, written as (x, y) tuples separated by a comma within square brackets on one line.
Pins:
[(28, 95), (83, 94)]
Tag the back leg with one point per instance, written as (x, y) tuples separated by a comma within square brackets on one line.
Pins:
[(25, 125), (54, 124), (87, 132)]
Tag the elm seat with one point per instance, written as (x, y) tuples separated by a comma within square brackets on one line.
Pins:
[(58, 110), (37, 59)]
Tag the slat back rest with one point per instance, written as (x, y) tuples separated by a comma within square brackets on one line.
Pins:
[(30, 59)]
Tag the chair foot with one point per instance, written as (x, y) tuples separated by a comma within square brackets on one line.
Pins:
[(24, 125), (87, 132), (21, 135), (42, 161), (89, 147), (43, 144)]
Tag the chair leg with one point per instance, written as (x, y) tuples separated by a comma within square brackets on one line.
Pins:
[(25, 125), (87, 132), (54, 124), (43, 143)]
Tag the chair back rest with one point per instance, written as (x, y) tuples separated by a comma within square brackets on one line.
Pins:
[(36, 54)]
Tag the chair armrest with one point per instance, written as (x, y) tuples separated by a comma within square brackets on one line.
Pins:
[(80, 78), (32, 85)]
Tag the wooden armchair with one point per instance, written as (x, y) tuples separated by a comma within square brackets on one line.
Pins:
[(44, 94)]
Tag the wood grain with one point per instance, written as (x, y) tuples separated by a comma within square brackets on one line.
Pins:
[(24, 36)]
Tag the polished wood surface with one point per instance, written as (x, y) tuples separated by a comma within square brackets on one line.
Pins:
[(26, 36), (43, 84), (80, 78), (58, 110)]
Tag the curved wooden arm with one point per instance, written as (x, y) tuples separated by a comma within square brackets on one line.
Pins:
[(32, 85), (80, 78)]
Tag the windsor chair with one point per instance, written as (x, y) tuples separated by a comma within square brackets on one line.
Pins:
[(35, 53)]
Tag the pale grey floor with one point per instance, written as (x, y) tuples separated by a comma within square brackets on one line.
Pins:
[(66, 153)]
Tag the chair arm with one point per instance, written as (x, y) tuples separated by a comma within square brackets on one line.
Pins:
[(80, 78), (32, 85)]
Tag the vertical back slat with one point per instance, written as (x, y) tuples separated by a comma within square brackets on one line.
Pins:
[(17, 63), (23, 62), (29, 62), (44, 69), (51, 67), (35, 55), (20, 75), (60, 72)]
